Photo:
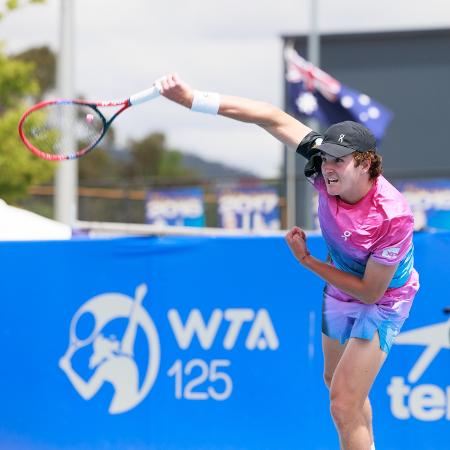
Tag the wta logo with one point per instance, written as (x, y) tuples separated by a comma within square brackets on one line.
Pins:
[(103, 334)]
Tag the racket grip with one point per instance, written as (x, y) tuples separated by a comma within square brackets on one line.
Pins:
[(144, 96)]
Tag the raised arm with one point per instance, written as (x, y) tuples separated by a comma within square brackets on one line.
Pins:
[(279, 124)]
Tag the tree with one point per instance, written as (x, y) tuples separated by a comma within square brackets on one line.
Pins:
[(44, 61), (18, 167), (99, 167), (11, 5), (150, 157)]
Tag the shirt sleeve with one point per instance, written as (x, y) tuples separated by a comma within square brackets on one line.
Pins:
[(307, 148), (395, 241)]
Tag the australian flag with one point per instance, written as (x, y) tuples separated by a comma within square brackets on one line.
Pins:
[(314, 94)]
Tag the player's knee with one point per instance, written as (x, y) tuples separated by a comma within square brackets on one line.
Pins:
[(340, 411), (343, 408)]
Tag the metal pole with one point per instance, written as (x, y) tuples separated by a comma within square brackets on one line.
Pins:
[(66, 179), (314, 35), (290, 169), (304, 189)]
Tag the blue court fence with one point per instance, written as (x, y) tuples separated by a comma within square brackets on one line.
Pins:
[(183, 343)]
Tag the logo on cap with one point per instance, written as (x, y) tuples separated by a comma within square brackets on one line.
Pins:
[(341, 138)]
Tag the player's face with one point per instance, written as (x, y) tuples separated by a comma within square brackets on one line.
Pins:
[(343, 178)]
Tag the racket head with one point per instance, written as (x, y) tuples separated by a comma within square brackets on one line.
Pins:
[(60, 130)]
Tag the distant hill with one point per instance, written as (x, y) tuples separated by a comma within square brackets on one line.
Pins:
[(208, 169)]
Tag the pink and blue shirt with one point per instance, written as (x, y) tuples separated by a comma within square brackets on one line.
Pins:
[(379, 226)]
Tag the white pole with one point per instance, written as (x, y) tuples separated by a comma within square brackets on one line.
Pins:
[(299, 192), (66, 180), (313, 50), (314, 35)]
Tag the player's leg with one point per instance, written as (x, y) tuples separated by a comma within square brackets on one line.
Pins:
[(350, 386), (332, 352)]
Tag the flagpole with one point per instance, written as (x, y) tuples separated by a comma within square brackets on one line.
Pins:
[(314, 35), (291, 185), (299, 192), (304, 215)]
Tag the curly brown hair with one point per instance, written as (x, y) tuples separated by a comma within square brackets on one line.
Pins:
[(375, 160)]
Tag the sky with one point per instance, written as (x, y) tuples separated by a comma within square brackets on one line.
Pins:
[(227, 46)]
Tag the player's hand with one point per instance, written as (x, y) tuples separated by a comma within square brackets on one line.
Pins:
[(174, 88), (296, 240)]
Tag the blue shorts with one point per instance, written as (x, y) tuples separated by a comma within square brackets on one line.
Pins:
[(344, 319)]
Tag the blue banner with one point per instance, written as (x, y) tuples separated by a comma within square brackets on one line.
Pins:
[(175, 207), (412, 392), (429, 201), (198, 343), (249, 208)]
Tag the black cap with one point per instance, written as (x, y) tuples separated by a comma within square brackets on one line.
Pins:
[(347, 137)]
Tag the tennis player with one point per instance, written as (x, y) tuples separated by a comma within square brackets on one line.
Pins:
[(368, 227)]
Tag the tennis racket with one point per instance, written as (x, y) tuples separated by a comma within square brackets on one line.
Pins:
[(45, 127)]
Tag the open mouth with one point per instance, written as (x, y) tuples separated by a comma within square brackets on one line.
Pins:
[(332, 180)]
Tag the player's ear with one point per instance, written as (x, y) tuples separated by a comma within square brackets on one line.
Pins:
[(364, 164)]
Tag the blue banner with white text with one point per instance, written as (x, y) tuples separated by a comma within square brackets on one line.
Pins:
[(198, 343), (249, 208), (175, 207), (429, 201)]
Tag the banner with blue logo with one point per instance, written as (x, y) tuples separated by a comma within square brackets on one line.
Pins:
[(198, 343), (412, 392), (175, 207), (429, 201), (249, 208)]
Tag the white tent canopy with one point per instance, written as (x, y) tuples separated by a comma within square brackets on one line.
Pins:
[(21, 225)]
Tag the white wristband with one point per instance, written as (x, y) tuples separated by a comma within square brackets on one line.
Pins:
[(206, 102), (317, 142)]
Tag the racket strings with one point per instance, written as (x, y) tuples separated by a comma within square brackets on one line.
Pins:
[(63, 128)]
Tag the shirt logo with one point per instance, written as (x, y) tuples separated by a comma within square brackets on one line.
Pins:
[(341, 138), (391, 252), (347, 233)]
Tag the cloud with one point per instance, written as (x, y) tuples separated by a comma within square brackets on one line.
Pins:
[(231, 46), (245, 146)]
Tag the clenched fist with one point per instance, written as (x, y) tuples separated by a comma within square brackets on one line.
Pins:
[(175, 89), (296, 240)]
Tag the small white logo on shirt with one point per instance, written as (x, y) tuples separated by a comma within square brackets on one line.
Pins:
[(346, 234), (391, 252), (341, 138)]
